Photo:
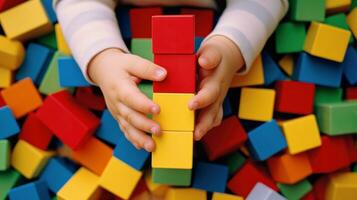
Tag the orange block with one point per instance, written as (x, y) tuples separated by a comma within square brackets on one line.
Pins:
[(289, 169), (22, 97), (94, 155)]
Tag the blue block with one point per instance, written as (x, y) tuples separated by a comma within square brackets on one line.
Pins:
[(210, 177), (266, 140), (126, 152), (350, 65), (35, 63), (33, 191), (48, 5), (319, 71), (198, 41), (9, 126), (227, 108), (70, 74), (122, 14), (272, 71), (56, 174), (109, 130)]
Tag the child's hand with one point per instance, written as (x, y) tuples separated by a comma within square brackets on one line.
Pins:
[(219, 59), (117, 74)]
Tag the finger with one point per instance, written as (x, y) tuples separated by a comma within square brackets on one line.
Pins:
[(123, 125), (206, 95), (219, 117), (145, 69), (206, 118), (208, 56)]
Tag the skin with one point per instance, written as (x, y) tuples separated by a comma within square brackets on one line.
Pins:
[(118, 74)]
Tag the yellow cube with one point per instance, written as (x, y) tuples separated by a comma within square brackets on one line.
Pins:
[(5, 77), (301, 134), (25, 21), (333, 6), (185, 194), (61, 41), (174, 114), (327, 41), (287, 64), (352, 21), (119, 178), (82, 185), (28, 159), (174, 150), (155, 188), (342, 186), (12, 53), (256, 104), (223, 196), (255, 76)]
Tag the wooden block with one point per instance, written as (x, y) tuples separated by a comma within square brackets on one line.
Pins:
[(174, 112), (119, 178), (287, 64), (296, 191), (12, 53), (109, 130), (203, 18), (350, 60), (9, 126), (8, 179), (90, 97), (4, 155), (327, 95), (256, 104), (289, 169), (306, 10), (70, 74), (29, 160), (301, 134), (185, 193), (225, 138), (82, 185), (351, 93), (173, 34), (5, 78), (339, 20), (318, 41), (140, 21), (342, 186), (61, 41), (181, 73), (122, 14), (155, 188), (352, 21), (63, 116), (255, 76), (333, 6), (48, 5), (6, 4), (234, 162), (18, 25), (263, 192), (172, 177), (290, 37), (34, 190), (48, 40), (167, 155), (271, 70), (223, 196), (142, 47)]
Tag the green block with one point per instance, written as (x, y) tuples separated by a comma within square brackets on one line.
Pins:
[(296, 191), (4, 155), (234, 162), (354, 4), (8, 180), (307, 10), (328, 95), (340, 21), (48, 40), (337, 118), (290, 37), (354, 168), (142, 48), (146, 88), (174, 177)]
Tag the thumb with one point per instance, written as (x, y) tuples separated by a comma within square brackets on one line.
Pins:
[(209, 57), (145, 69)]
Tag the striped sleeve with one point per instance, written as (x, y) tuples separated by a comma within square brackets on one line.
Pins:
[(89, 27), (249, 24)]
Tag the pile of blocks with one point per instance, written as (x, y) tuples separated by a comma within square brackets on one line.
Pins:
[(288, 130)]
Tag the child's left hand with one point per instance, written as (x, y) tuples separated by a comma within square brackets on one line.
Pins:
[(219, 59)]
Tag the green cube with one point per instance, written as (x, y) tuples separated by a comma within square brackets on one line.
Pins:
[(337, 118), (354, 168), (4, 155), (48, 40), (307, 10), (328, 95), (290, 37), (234, 162), (142, 48), (340, 21), (173, 177), (8, 180), (296, 191), (354, 4), (146, 88)]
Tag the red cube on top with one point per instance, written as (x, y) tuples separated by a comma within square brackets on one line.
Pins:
[(140, 21)]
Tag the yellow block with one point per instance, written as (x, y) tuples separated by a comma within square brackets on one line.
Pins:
[(174, 114), (29, 160), (174, 150), (256, 104), (185, 194), (5, 77), (119, 178), (287, 64), (333, 6), (222, 196), (12, 53), (61, 42), (352, 21), (154, 188), (82, 185), (342, 186), (301, 134), (25, 21), (255, 75), (327, 41)]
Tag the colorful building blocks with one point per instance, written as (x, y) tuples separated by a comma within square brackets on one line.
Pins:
[(109, 130), (352, 21), (9, 125), (6, 4), (172, 177), (142, 47), (140, 21), (342, 186), (255, 76), (296, 191), (11, 53), (306, 10), (263, 192), (333, 6), (234, 162), (8, 179), (203, 20), (35, 190), (210, 177), (4, 155), (61, 42), (185, 193), (327, 95), (91, 98), (290, 37), (272, 71), (224, 196), (70, 75)]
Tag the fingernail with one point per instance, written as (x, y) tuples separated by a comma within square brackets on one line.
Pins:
[(155, 109), (160, 73), (202, 61), (148, 146), (154, 130), (193, 105)]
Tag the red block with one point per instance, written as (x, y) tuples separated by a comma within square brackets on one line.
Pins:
[(351, 93), (224, 139), (69, 121), (2, 102), (181, 73), (246, 178), (173, 34), (6, 4), (35, 132), (294, 97), (203, 18), (352, 148), (319, 188), (140, 21), (87, 97), (332, 155)]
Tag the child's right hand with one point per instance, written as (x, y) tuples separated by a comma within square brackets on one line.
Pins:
[(117, 74)]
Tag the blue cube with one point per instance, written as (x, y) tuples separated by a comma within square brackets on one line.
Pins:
[(35, 191), (48, 5), (70, 74), (109, 130), (350, 65), (9, 126), (198, 42), (122, 14), (227, 108), (272, 71)]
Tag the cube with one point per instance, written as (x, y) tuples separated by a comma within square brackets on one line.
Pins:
[(256, 104), (255, 75), (140, 21), (328, 95), (109, 130), (234, 162), (185, 193), (301, 134), (167, 155), (12, 53), (203, 18), (318, 41), (351, 93), (61, 41), (271, 70), (306, 10), (70, 74), (6, 4), (298, 190), (142, 47), (91, 98), (4, 155), (122, 14), (155, 188), (333, 6), (8, 180), (210, 177), (290, 37), (342, 186), (5, 78), (48, 40), (263, 192), (349, 69), (173, 177), (223, 196), (287, 64), (47, 4), (34, 190), (352, 21), (9, 125)]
